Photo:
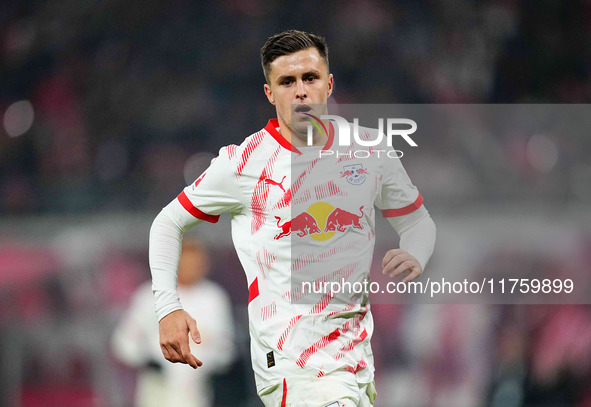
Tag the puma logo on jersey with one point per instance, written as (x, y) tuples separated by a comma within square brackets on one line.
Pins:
[(198, 181), (269, 181), (270, 359)]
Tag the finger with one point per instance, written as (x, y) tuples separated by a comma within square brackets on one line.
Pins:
[(195, 335), (413, 274), (188, 356), (165, 352), (390, 254), (176, 355), (394, 262), (183, 351), (403, 267)]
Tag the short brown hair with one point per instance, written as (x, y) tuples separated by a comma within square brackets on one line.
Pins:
[(288, 42)]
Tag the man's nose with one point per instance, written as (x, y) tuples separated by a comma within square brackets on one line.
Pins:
[(300, 90)]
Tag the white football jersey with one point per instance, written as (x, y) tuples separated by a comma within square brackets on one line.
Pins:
[(298, 217)]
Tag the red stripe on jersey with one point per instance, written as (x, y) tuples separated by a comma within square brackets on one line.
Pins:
[(232, 151), (271, 128), (346, 157), (285, 201), (304, 196), (199, 179), (259, 204), (349, 346), (363, 335), (250, 146), (361, 365), (283, 336), (269, 258), (322, 303), (390, 213), (326, 340), (253, 290), (328, 189), (261, 267), (284, 397), (260, 194), (268, 311), (265, 260), (349, 154), (353, 323), (343, 273), (321, 343), (365, 137), (186, 202), (273, 124)]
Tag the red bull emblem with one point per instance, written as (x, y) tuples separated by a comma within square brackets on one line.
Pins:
[(355, 174), (339, 219), (320, 221), (285, 228), (303, 224)]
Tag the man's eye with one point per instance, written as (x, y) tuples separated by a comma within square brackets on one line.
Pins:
[(286, 82), (310, 78)]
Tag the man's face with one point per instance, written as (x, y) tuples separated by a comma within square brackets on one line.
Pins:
[(300, 78)]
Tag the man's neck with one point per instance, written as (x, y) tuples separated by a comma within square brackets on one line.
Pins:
[(296, 141)]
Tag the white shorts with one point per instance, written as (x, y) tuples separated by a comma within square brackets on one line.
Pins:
[(336, 390)]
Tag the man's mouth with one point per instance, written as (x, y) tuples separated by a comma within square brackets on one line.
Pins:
[(302, 109)]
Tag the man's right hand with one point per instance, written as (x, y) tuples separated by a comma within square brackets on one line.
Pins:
[(174, 338)]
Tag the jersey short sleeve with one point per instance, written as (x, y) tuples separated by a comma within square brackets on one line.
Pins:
[(216, 191), (397, 195)]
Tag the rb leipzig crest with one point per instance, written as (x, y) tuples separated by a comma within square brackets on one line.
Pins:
[(355, 174)]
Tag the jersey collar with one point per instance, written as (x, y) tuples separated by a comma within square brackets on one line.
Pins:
[(272, 126)]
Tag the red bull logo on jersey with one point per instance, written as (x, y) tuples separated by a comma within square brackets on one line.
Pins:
[(321, 221), (340, 219), (302, 225), (355, 174)]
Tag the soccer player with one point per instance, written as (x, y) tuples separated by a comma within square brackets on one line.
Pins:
[(293, 212), (136, 342)]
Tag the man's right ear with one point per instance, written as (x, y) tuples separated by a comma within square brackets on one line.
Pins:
[(269, 94)]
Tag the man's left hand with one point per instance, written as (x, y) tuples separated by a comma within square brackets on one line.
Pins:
[(398, 261)]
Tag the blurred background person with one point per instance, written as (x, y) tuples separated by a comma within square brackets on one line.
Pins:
[(135, 340)]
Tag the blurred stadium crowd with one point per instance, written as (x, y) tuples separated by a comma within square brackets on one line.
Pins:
[(109, 108)]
